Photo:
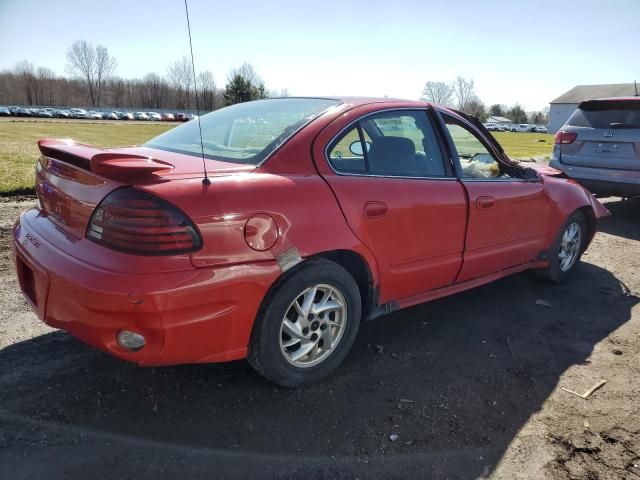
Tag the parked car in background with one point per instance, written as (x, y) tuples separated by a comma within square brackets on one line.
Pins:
[(155, 266), (4, 112), (541, 129), (490, 126), (125, 116), (168, 117), (181, 117), (154, 116), (78, 113), (23, 112), (43, 113), (94, 115), (599, 146), (521, 127), (141, 116), (109, 116)]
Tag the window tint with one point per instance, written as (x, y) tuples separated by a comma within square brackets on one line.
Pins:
[(476, 161), (607, 114), (396, 144)]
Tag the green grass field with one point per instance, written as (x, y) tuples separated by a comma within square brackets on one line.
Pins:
[(525, 146), (19, 151)]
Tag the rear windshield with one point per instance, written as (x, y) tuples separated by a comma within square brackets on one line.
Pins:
[(607, 114), (243, 133)]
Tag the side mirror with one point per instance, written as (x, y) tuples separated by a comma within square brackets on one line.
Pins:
[(356, 147)]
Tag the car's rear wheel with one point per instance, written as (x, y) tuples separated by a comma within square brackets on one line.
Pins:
[(306, 325), (566, 250)]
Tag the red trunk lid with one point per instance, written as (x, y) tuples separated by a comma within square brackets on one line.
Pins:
[(72, 178)]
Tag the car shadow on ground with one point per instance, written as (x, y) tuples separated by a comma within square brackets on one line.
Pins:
[(624, 220), (455, 379)]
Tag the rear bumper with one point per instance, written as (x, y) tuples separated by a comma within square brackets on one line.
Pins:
[(601, 181), (192, 316)]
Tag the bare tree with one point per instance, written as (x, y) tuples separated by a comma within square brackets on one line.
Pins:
[(463, 91), (154, 90), (207, 91), (437, 92), (117, 89), (477, 108), (93, 64), (104, 67), (180, 75), (27, 80)]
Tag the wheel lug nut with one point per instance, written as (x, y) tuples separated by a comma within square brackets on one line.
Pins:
[(314, 337), (305, 330), (311, 316), (323, 327)]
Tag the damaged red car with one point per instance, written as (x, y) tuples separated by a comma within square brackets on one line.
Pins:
[(284, 225)]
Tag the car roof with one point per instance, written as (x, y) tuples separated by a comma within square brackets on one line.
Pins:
[(356, 101), (613, 99)]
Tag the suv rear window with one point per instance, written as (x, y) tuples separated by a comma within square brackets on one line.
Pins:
[(607, 114)]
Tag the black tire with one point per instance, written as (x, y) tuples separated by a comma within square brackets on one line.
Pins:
[(265, 352), (554, 272)]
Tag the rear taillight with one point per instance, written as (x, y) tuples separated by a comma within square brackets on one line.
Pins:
[(133, 221), (564, 138)]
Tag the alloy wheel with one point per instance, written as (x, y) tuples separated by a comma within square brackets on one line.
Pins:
[(313, 325)]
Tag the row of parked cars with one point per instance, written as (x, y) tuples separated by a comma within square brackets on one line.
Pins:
[(515, 127), (81, 113)]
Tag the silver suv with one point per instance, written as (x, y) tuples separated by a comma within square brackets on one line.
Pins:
[(599, 146)]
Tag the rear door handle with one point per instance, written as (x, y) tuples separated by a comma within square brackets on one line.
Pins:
[(485, 202), (375, 209)]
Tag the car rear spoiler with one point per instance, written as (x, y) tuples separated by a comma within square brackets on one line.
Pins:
[(108, 163)]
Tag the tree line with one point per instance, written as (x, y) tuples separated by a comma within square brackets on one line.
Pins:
[(461, 94), (92, 82)]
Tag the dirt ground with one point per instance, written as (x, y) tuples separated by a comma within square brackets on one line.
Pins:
[(471, 386)]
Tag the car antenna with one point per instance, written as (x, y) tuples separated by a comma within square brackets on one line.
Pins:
[(205, 180), (635, 84)]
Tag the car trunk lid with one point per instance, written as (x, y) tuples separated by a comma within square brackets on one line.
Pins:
[(72, 178)]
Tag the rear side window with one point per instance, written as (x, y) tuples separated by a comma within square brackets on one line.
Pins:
[(398, 144), (606, 114)]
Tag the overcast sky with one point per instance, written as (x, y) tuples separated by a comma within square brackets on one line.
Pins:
[(529, 51)]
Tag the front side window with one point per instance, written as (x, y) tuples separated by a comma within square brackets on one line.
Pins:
[(243, 133), (475, 159), (402, 144)]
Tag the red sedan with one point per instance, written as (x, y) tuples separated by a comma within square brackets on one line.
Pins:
[(315, 214)]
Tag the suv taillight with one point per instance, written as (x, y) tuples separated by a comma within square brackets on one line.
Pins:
[(133, 221), (564, 138)]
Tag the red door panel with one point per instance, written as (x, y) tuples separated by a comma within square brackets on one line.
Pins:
[(414, 227), (507, 225)]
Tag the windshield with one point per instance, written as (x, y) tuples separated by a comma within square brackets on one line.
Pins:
[(245, 132), (607, 114)]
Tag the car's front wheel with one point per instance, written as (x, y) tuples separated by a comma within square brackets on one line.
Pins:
[(566, 250), (306, 325)]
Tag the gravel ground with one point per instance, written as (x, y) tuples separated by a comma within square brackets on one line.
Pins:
[(464, 387)]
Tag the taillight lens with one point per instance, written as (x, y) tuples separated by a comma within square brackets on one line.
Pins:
[(564, 138), (133, 221)]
